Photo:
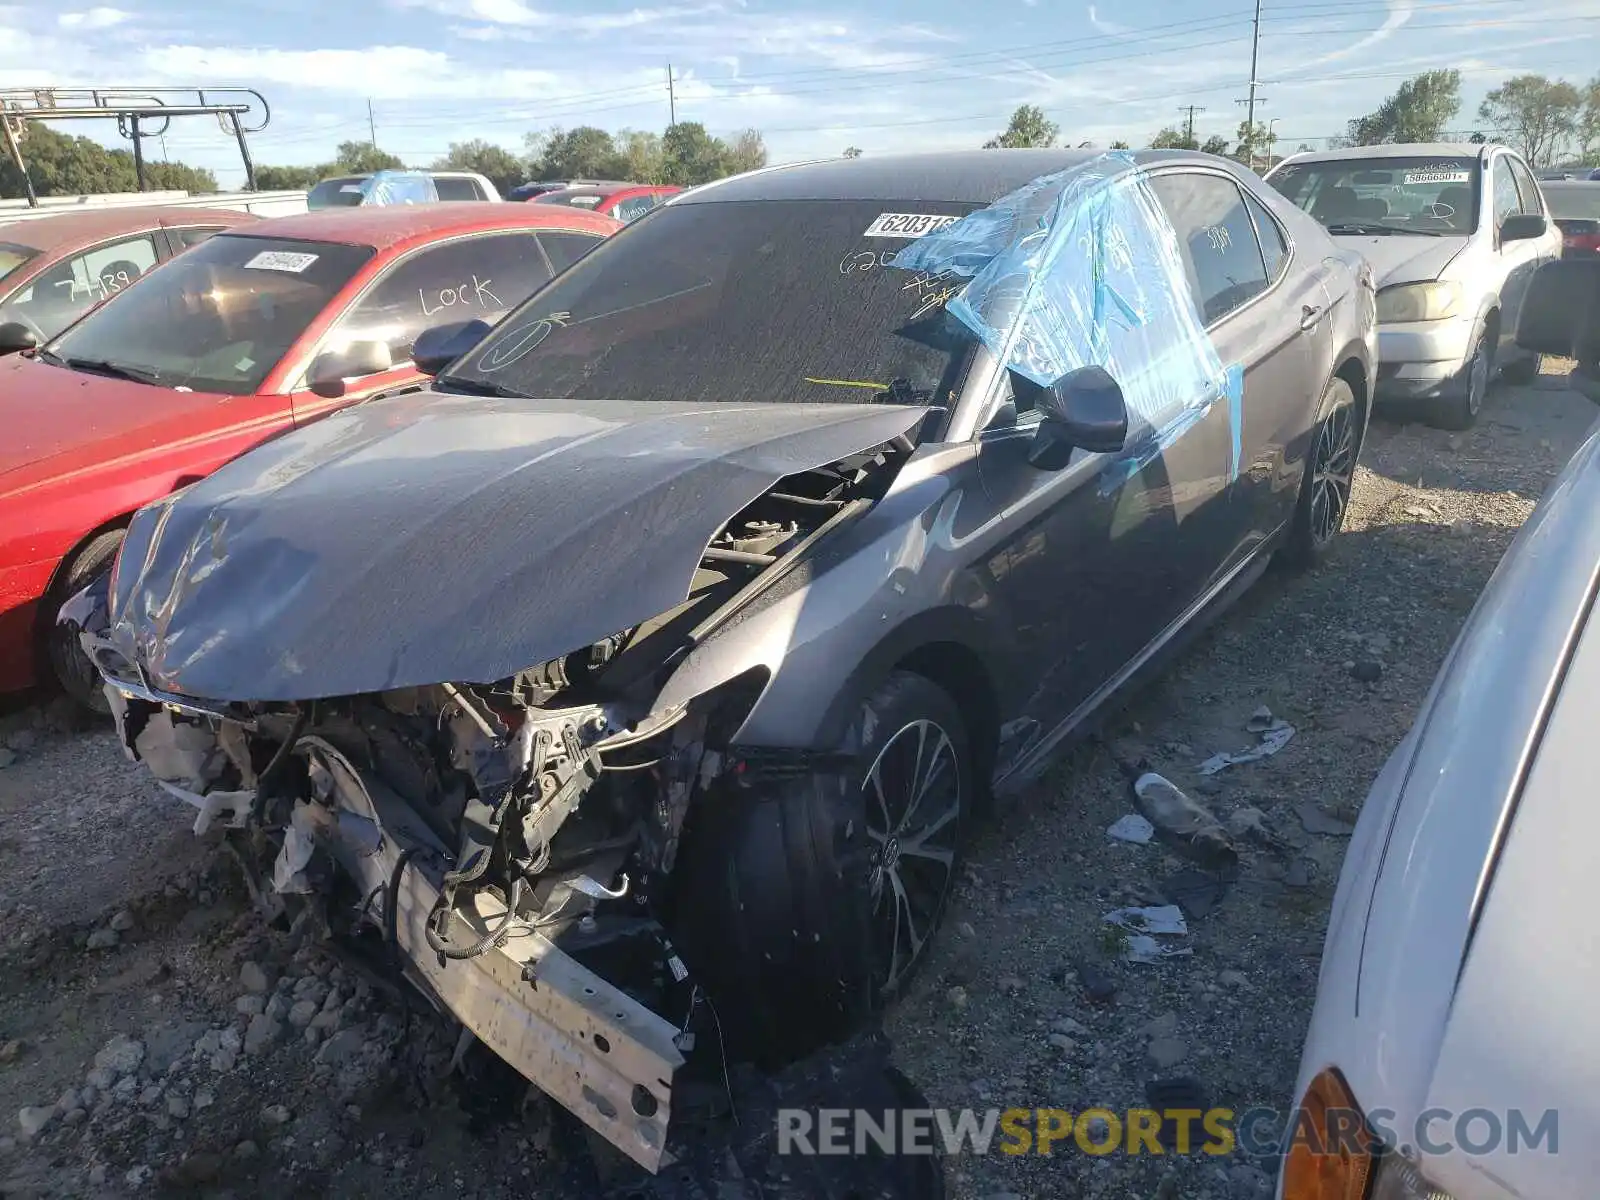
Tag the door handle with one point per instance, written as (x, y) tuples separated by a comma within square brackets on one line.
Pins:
[(1310, 314)]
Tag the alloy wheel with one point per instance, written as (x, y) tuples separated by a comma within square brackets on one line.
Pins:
[(1478, 376), (1333, 472), (913, 821)]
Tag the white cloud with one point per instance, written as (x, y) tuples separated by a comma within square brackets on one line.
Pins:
[(94, 18), (1109, 28)]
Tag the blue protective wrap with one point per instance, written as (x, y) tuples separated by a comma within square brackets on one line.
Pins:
[(400, 187), (1082, 268)]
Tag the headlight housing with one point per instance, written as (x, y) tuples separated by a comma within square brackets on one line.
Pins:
[(1408, 302), (1325, 1162), (1397, 1179)]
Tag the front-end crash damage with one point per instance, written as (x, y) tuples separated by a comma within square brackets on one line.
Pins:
[(509, 835)]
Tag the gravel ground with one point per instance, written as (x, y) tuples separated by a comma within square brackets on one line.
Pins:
[(156, 1039)]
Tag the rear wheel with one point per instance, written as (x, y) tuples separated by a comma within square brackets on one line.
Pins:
[(1330, 472), (1460, 410), (807, 904), (69, 666)]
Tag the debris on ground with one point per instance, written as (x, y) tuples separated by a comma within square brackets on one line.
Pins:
[(1314, 820), (1274, 734), (1131, 828), (1181, 821), (1163, 919)]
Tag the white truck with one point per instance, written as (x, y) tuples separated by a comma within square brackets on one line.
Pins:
[(263, 204)]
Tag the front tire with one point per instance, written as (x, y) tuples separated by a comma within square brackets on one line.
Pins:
[(806, 904), (1328, 480), (69, 667), (1460, 411)]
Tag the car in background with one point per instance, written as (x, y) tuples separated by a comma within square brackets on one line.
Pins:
[(54, 269), (1460, 967), (527, 191), (1453, 232), (1575, 208), (734, 567), (624, 201), (400, 187), (257, 330)]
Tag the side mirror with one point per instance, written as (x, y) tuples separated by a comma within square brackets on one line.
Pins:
[(436, 348), (1083, 410), (1522, 226), (16, 337), (330, 369)]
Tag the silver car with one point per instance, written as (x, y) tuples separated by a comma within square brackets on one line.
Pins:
[(1453, 232), (643, 677)]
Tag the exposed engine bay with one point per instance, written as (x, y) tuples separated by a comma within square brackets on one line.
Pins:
[(511, 846)]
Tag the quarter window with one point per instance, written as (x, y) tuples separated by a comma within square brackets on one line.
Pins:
[(565, 249), (481, 277), (1506, 200), (1274, 249), (634, 207), (1528, 189), (1216, 238)]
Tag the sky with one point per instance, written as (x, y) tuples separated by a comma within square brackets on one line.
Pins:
[(814, 76)]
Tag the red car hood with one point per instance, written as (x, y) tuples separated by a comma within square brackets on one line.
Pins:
[(64, 420)]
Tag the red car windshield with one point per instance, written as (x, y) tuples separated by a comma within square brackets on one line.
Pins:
[(217, 319)]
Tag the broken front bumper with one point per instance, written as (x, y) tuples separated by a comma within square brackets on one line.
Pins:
[(607, 1058)]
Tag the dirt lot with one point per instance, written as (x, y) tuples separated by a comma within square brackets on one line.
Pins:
[(155, 1040)]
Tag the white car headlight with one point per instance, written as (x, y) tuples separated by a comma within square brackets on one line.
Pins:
[(1418, 302), (1397, 1179)]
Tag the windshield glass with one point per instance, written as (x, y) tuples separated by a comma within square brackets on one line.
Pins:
[(13, 255), (216, 319), (347, 192), (1579, 201), (776, 301), (1403, 195)]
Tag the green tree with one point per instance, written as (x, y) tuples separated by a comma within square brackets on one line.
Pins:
[(1119, 144), (1173, 139), (586, 152), (852, 151), (360, 157), (1253, 143), (291, 179), (747, 152), (501, 167), (1029, 127), (1538, 116), (1215, 144), (62, 165), (690, 155), (640, 154), (1589, 123), (1418, 111)]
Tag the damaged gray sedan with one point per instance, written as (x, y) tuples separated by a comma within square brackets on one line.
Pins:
[(635, 686)]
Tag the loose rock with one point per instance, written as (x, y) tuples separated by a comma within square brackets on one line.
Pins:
[(121, 1055), (103, 939), (1366, 670), (275, 1114), (32, 1121), (253, 978), (303, 1012), (1168, 1051), (263, 1034), (122, 922)]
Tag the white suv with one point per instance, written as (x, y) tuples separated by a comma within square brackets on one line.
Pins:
[(1453, 233)]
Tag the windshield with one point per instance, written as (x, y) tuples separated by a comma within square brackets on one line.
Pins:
[(216, 319), (776, 301), (1424, 195), (571, 199), (13, 255), (347, 192), (1576, 201)]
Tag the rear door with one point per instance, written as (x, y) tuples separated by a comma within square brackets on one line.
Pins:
[(481, 276), (1525, 257), (1514, 262), (1254, 304)]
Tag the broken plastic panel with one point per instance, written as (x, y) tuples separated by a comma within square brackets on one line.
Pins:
[(1081, 268), (400, 187)]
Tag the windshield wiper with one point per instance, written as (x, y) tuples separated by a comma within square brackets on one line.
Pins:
[(474, 387), (100, 366), (1374, 228)]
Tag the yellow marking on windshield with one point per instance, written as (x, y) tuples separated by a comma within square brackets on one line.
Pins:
[(860, 383)]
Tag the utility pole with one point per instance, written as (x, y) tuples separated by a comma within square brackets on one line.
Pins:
[(372, 125), (1250, 110), (672, 100), (1188, 129)]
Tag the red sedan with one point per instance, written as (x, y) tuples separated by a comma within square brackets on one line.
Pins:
[(624, 201), (54, 269), (253, 331)]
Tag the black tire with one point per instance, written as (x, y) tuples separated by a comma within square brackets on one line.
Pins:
[(69, 667), (1460, 409), (1520, 372), (1325, 486), (785, 887)]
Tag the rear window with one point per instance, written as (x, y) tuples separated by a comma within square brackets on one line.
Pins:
[(1579, 201), (337, 193), (457, 189), (13, 255), (570, 199)]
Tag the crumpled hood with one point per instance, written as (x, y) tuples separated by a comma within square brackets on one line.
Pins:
[(1397, 258), (62, 417), (430, 537)]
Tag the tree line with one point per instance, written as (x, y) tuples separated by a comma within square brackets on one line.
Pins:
[(1552, 122)]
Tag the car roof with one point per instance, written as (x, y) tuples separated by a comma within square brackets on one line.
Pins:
[(956, 176), (1400, 150), (384, 225), (66, 230)]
